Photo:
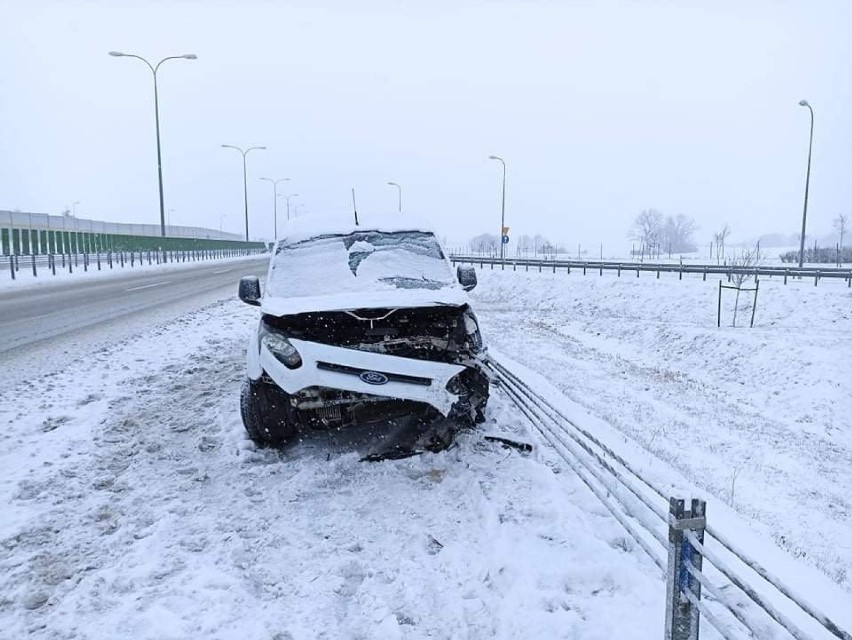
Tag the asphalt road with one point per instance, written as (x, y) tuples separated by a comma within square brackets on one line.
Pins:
[(57, 316)]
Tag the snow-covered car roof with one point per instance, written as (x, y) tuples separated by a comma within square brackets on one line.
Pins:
[(328, 264), (306, 227)]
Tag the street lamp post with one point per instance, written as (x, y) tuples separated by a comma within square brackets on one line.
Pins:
[(275, 201), (292, 195), (154, 69), (394, 184), (502, 204), (804, 103), (245, 177)]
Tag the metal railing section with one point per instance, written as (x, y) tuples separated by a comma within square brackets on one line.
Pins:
[(645, 511), (817, 273)]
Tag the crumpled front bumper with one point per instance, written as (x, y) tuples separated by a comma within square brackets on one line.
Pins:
[(347, 369)]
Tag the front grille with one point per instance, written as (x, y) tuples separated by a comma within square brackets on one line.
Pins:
[(356, 371)]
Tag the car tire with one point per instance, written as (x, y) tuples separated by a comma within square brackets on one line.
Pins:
[(266, 413)]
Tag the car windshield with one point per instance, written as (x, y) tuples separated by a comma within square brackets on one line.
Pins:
[(358, 262)]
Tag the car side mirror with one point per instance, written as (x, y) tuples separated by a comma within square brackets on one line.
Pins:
[(250, 290), (467, 276)]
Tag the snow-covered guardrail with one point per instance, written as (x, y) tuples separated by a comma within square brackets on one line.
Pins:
[(817, 273), (676, 539), (50, 263)]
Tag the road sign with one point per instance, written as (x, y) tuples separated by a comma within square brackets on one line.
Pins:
[(505, 239), (505, 231)]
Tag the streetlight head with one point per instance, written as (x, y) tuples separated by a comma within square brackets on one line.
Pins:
[(189, 56), (117, 54), (804, 103)]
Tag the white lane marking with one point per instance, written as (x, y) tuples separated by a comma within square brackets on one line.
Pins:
[(148, 286), (223, 271)]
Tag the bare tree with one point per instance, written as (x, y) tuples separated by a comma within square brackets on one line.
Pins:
[(841, 224), (647, 228), (719, 239), (747, 259), (524, 245), (485, 243), (677, 234)]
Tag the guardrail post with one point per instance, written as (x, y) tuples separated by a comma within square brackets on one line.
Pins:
[(682, 615), (86, 262), (35, 274), (719, 307), (786, 273), (98, 258), (816, 278), (12, 266), (52, 258)]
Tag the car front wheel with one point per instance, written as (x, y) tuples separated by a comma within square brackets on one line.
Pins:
[(267, 414)]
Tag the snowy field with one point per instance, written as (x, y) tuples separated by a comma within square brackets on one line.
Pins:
[(759, 418), (134, 506)]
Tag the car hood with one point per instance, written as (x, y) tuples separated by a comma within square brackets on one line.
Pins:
[(396, 299)]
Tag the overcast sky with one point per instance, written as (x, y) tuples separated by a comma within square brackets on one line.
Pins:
[(600, 109)]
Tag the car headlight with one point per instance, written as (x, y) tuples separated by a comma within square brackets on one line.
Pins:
[(455, 385), (283, 351)]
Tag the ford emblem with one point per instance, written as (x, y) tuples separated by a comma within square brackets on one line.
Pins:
[(373, 377)]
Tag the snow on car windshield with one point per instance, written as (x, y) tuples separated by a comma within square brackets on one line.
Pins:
[(360, 262)]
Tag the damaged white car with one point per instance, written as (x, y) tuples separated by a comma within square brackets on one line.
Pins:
[(363, 325)]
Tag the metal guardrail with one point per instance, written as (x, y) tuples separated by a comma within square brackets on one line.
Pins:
[(674, 537), (51, 263), (817, 273)]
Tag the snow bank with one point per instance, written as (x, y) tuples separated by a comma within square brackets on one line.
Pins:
[(759, 418)]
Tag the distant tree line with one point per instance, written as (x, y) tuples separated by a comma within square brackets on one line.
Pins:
[(489, 244), (657, 233), (821, 255)]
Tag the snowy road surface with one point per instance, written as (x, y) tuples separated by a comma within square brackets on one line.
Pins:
[(48, 325), (31, 315), (137, 509)]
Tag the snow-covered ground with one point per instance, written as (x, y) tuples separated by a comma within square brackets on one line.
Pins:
[(134, 506), (760, 418)]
